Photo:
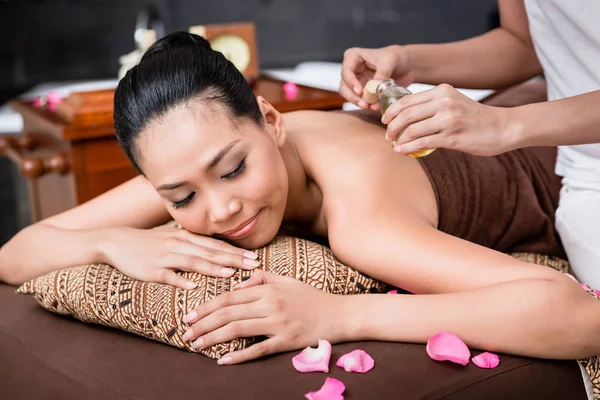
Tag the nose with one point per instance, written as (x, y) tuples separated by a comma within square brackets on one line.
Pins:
[(222, 208)]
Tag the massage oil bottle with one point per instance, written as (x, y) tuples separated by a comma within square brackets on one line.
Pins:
[(387, 92)]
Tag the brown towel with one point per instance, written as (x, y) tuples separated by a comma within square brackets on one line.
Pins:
[(506, 202)]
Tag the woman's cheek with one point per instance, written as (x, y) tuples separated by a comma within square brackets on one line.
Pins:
[(189, 219)]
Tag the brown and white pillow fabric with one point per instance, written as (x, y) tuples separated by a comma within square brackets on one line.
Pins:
[(99, 293)]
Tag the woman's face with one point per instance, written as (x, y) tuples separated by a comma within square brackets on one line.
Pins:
[(218, 176)]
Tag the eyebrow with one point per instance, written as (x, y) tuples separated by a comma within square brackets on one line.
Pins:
[(213, 163)]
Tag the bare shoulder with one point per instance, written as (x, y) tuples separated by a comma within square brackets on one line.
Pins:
[(134, 203), (358, 173)]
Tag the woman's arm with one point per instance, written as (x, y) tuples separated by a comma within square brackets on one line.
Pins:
[(489, 299), (112, 228), (500, 58), (77, 236)]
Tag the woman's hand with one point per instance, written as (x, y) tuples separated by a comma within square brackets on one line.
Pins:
[(290, 313), (155, 255), (444, 118), (361, 65)]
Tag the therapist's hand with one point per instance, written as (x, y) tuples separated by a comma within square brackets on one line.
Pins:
[(362, 65), (444, 118)]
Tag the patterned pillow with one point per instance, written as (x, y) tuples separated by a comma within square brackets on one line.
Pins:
[(99, 293)]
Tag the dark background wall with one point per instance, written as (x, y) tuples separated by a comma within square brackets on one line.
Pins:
[(59, 40), (46, 40)]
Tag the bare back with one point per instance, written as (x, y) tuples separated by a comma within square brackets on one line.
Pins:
[(350, 161)]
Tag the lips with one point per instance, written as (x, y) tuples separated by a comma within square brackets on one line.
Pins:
[(243, 229)]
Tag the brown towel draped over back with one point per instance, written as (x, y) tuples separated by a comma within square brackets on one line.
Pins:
[(506, 202)]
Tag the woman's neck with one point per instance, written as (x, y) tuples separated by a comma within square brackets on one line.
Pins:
[(305, 200)]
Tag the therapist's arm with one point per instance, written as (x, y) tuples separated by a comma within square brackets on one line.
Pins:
[(570, 121), (497, 59)]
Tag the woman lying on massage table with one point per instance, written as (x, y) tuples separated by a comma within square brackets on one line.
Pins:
[(233, 171)]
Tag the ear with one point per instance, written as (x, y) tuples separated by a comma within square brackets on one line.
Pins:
[(273, 120)]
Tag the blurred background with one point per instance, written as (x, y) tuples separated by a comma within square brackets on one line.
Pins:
[(72, 40)]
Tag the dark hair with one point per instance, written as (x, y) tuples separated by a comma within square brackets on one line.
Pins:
[(176, 69)]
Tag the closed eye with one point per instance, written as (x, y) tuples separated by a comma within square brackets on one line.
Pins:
[(184, 202), (238, 170)]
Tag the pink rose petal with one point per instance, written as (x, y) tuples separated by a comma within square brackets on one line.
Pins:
[(395, 291), (332, 389), (447, 346), (356, 361), (311, 359), (486, 360), (570, 276), (585, 287), (54, 98), (290, 90)]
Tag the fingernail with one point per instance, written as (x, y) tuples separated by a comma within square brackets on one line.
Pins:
[(357, 90), (199, 343), (250, 254), (398, 149), (187, 335), (227, 271), (190, 317), (191, 285), (224, 361), (251, 263)]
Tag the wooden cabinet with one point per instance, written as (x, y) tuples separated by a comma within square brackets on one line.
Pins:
[(71, 155)]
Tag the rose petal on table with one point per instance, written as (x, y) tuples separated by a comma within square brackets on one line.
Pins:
[(571, 276), (314, 359), (447, 346), (332, 389), (585, 287), (395, 291), (486, 360), (54, 98), (290, 88), (356, 361)]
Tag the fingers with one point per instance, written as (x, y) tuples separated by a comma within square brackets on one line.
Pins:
[(417, 145), (352, 62), (406, 102), (199, 265), (258, 278), (384, 70), (262, 277), (415, 118), (253, 352), (440, 97), (224, 300), (228, 322), (169, 277), (420, 136), (219, 245), (205, 256), (347, 93), (209, 257)]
